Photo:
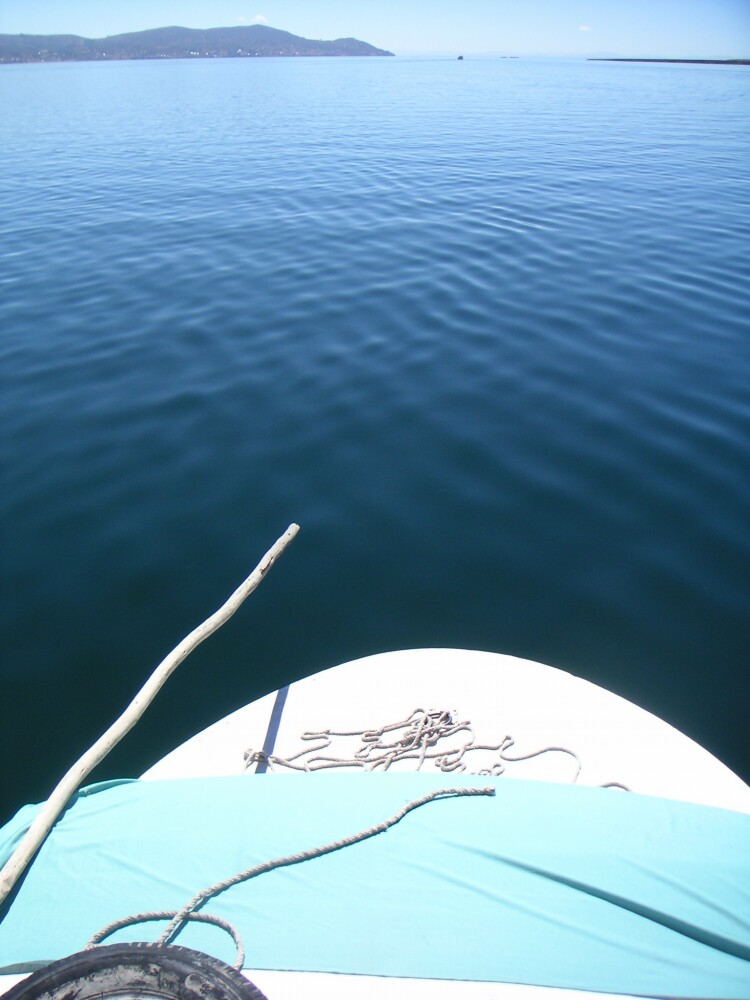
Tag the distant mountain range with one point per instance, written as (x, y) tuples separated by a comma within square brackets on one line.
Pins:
[(177, 43)]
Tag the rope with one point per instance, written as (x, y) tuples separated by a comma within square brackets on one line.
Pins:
[(142, 918), (420, 739), (508, 742), (178, 918)]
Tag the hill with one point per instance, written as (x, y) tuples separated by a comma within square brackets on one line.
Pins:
[(243, 41)]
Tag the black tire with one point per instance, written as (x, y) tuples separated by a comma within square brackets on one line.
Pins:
[(145, 971)]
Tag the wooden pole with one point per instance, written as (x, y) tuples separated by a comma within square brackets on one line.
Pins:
[(77, 774)]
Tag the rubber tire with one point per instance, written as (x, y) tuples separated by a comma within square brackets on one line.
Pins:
[(166, 972)]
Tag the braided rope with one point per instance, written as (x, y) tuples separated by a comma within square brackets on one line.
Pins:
[(420, 737), (142, 918), (178, 918)]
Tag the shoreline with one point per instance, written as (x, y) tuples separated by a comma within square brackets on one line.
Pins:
[(700, 62)]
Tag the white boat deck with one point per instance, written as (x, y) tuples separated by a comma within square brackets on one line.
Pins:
[(536, 705)]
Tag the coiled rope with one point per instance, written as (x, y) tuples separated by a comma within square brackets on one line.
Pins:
[(422, 736), (178, 918)]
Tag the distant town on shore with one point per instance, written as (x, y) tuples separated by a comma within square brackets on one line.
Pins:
[(243, 41)]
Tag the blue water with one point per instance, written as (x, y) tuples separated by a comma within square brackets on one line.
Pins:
[(481, 327)]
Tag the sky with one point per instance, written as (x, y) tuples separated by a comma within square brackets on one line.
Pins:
[(667, 28)]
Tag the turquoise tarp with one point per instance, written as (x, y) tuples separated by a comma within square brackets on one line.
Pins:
[(587, 888)]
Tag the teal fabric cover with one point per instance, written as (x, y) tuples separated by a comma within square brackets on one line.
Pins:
[(587, 888)]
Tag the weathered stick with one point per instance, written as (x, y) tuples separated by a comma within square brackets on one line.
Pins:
[(75, 777)]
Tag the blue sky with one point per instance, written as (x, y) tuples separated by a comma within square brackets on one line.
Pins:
[(669, 28)]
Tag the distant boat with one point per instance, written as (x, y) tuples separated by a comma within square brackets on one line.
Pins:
[(460, 57)]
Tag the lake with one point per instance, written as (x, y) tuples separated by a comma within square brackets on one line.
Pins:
[(482, 328)]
